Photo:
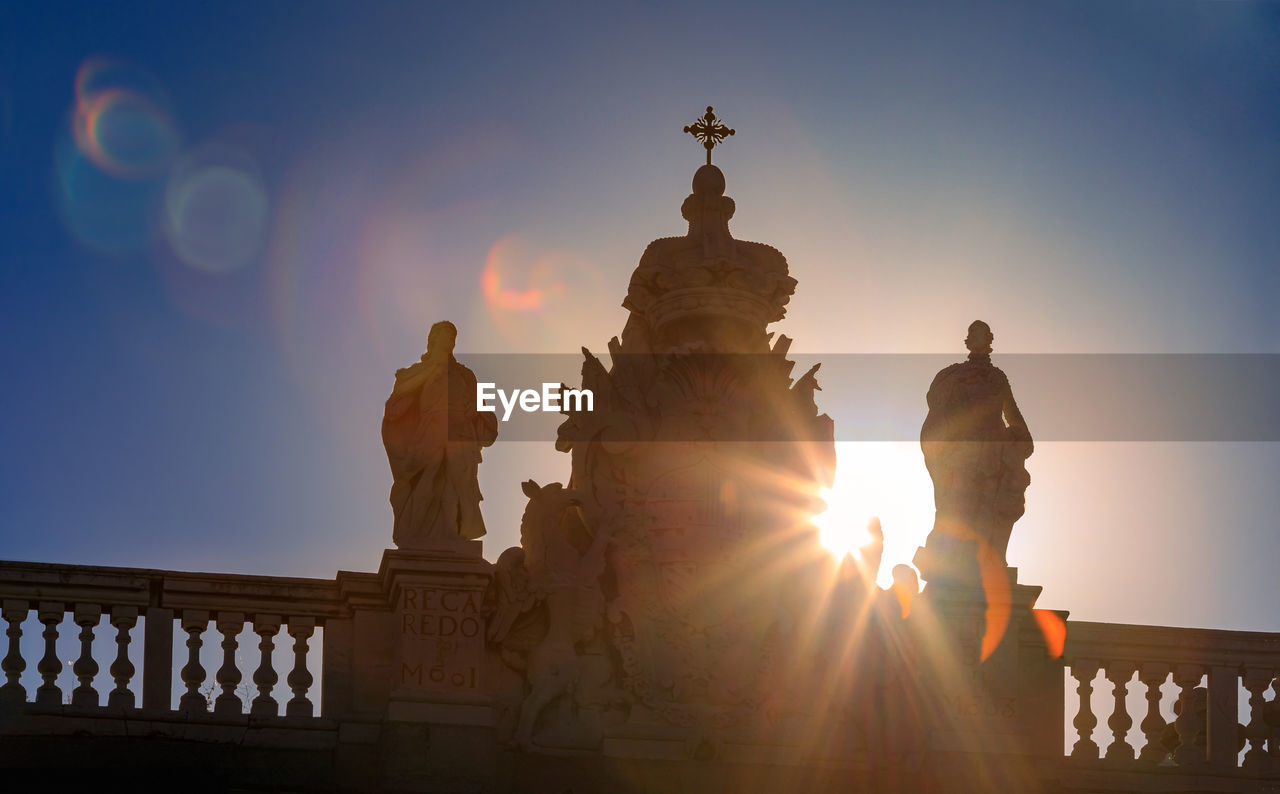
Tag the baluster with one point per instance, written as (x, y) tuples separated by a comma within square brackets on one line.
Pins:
[(1119, 673), (14, 612), (1256, 680), (1083, 670), (1272, 712), (50, 614), (300, 677), (194, 622), (1192, 713), (86, 616), (122, 670), (1153, 725), (265, 677), (228, 676)]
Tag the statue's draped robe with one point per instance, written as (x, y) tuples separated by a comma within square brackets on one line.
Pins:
[(976, 460), (433, 436)]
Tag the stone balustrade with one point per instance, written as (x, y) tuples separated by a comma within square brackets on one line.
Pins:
[(1186, 709), (205, 607), (1194, 721)]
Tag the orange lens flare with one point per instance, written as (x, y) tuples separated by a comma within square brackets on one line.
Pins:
[(995, 584), (1054, 630), (905, 594), (541, 287)]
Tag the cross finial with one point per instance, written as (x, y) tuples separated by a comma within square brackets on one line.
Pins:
[(709, 130)]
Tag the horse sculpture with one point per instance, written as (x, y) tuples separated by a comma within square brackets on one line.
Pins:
[(560, 565)]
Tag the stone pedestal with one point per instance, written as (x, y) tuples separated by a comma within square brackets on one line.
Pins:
[(1001, 709), (436, 598)]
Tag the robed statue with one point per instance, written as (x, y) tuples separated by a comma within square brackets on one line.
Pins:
[(433, 434), (975, 443)]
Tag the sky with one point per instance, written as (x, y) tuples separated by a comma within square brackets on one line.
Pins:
[(226, 225)]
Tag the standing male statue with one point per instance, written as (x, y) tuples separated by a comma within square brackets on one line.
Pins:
[(975, 445), (433, 435)]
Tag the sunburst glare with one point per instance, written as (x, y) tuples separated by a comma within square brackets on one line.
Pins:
[(887, 480)]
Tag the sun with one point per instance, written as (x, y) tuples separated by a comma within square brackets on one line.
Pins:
[(887, 480), (842, 527)]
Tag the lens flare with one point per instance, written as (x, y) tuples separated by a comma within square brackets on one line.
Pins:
[(99, 73), (125, 134), (884, 479), (999, 595), (542, 286), (533, 295), (843, 526), (100, 212), (1054, 630), (216, 213), (119, 122), (111, 156)]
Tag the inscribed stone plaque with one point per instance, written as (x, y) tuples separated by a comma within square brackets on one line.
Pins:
[(441, 640)]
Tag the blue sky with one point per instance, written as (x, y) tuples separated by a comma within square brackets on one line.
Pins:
[(203, 306)]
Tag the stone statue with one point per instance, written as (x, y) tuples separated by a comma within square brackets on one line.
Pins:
[(433, 435), (975, 445), (567, 672)]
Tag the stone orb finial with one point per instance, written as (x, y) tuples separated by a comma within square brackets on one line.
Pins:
[(709, 181), (980, 337)]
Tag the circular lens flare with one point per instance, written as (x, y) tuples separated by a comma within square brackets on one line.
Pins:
[(119, 122), (216, 216), (124, 134)]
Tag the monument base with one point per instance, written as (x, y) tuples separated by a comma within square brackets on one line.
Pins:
[(437, 598), (992, 689)]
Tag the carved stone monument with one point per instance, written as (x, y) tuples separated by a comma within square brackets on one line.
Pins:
[(667, 583), (671, 603), (433, 435), (983, 664), (669, 621), (975, 445)]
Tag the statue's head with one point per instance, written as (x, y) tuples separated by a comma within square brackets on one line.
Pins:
[(441, 338), (980, 337)]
